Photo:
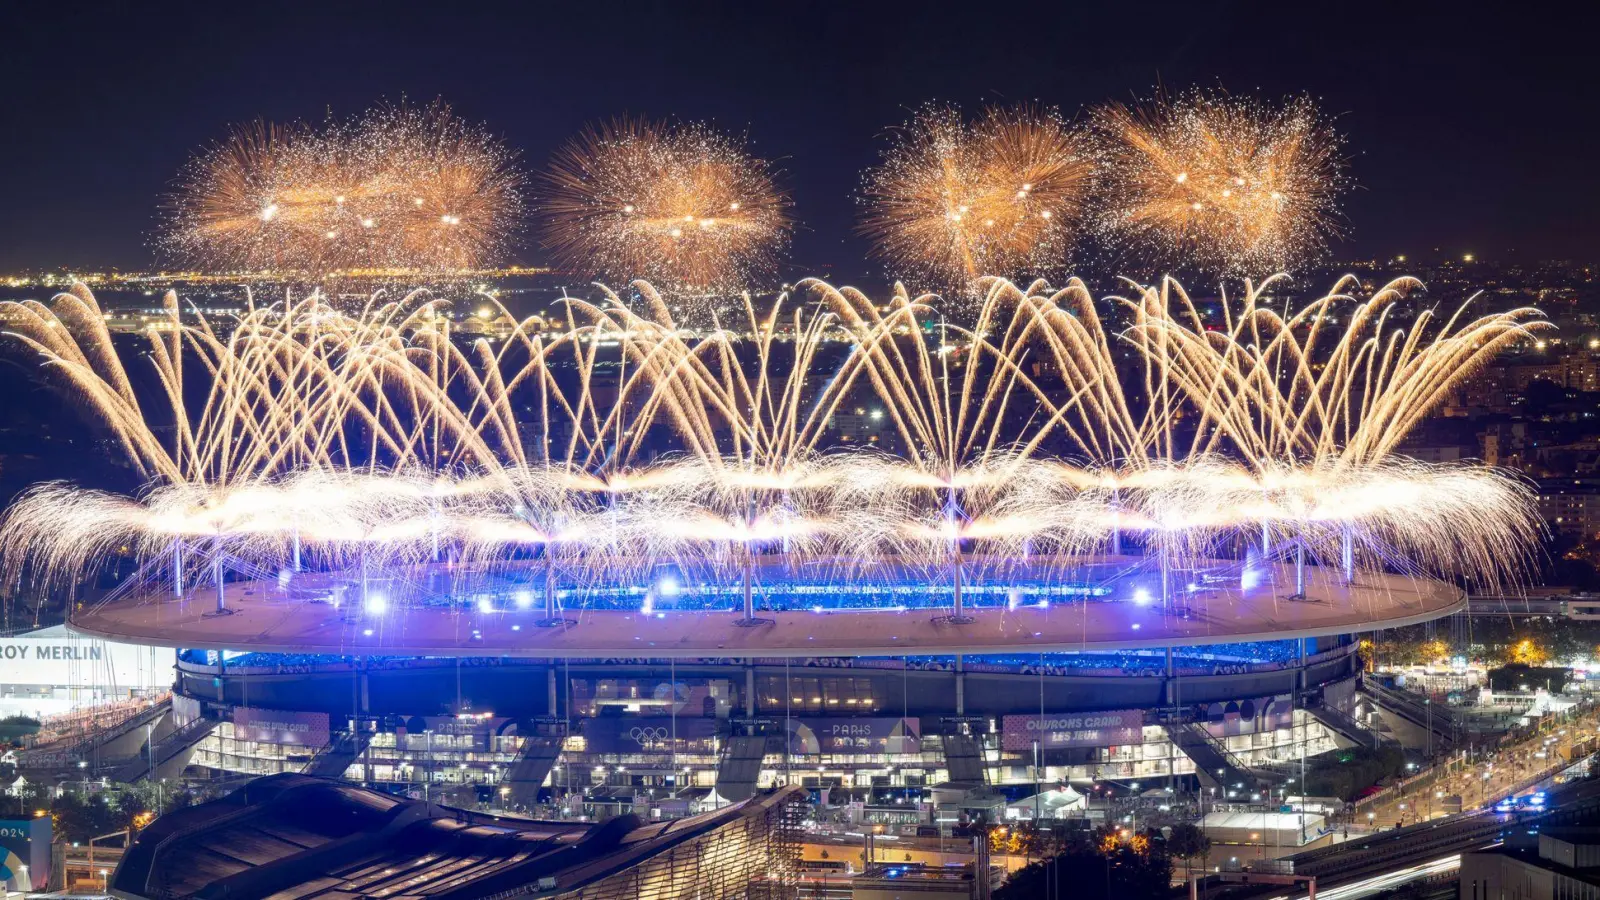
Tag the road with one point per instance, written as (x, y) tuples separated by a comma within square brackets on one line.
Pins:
[(1485, 780), (1394, 857)]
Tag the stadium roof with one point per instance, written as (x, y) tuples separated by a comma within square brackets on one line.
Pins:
[(293, 837), (266, 619)]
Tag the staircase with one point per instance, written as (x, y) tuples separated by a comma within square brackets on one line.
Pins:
[(1214, 763), (170, 754), (963, 759), (740, 765), (533, 764), (334, 759)]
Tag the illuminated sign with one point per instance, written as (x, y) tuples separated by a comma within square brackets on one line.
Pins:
[(1055, 732)]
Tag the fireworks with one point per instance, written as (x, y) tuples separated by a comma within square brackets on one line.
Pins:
[(398, 190), (682, 206), (1000, 196), (1226, 184), (339, 439)]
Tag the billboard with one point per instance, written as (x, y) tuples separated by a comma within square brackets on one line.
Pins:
[(55, 658), (1065, 730), (25, 854), (814, 736), (281, 726)]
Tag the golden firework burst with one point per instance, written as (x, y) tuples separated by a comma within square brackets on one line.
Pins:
[(1234, 185), (954, 200), (683, 206), (399, 189)]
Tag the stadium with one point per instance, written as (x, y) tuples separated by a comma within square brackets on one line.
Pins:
[(630, 566)]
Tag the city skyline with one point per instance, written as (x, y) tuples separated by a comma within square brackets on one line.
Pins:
[(1441, 143)]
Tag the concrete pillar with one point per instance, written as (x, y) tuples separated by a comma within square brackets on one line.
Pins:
[(550, 689), (961, 685), (749, 690)]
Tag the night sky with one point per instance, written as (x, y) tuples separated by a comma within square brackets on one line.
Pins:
[(1467, 132)]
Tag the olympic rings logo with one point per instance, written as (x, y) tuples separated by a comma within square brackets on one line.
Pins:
[(644, 736)]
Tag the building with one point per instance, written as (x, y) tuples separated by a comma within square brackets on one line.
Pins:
[(54, 672), (1571, 506), (1563, 865), (316, 839)]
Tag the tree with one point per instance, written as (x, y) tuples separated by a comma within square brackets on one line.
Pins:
[(1186, 840), (1086, 873)]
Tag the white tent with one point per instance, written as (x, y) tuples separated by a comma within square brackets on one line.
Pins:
[(1271, 829), (1058, 803)]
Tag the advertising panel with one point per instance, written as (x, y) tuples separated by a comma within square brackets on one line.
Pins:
[(281, 726), (1109, 728)]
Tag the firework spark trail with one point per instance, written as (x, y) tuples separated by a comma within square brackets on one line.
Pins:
[(377, 437), (953, 200), (681, 206), (1232, 185), (398, 189)]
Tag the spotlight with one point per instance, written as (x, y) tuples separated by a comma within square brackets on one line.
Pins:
[(667, 586), (523, 599), (1141, 597), (375, 604), (485, 605)]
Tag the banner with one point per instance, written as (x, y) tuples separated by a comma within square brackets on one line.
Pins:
[(281, 726), (1252, 716), (1058, 732), (645, 734), (814, 736)]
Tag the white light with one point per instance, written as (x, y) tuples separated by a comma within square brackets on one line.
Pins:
[(1141, 597), (485, 605), (667, 586), (375, 604), (523, 599), (269, 213)]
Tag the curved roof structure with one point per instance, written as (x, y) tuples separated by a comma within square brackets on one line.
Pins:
[(292, 836)]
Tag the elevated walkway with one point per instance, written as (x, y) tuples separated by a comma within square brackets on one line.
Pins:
[(1412, 718), (106, 747), (1346, 729)]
